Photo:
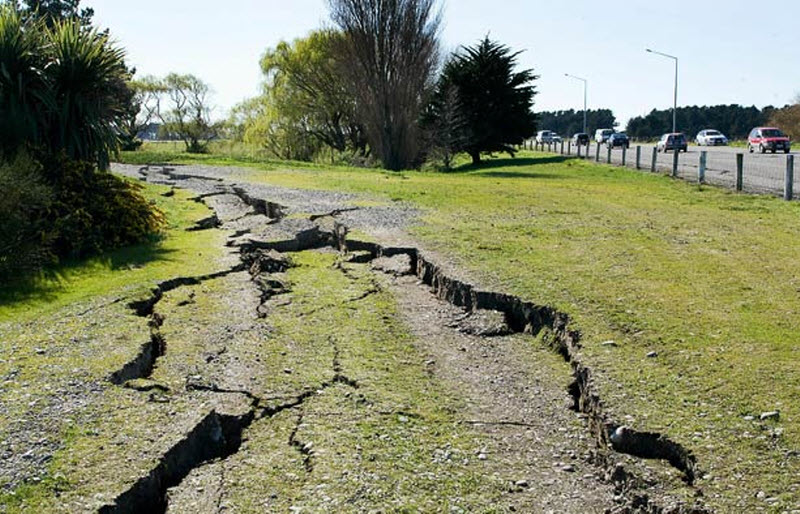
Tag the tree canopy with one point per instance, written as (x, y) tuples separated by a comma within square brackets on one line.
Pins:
[(495, 100), (59, 87), (788, 119), (735, 121), (570, 121), (388, 57)]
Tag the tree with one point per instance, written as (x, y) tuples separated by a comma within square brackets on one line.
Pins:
[(735, 121), (788, 119), (53, 11), (446, 125), (189, 116), (496, 101), (59, 88), (389, 55), (143, 109), (305, 76), (570, 121)]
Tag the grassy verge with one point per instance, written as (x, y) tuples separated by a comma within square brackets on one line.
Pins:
[(176, 251), (705, 278)]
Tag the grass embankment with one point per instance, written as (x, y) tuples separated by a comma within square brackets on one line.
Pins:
[(175, 251), (705, 278)]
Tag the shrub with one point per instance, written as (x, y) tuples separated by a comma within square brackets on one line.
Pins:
[(95, 211), (24, 237)]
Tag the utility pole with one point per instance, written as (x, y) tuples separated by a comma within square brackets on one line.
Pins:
[(675, 100), (585, 94)]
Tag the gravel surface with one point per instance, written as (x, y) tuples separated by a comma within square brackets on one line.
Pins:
[(215, 377)]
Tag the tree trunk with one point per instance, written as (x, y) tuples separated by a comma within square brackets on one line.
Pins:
[(476, 158)]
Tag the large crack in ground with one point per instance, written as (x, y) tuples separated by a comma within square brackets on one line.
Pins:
[(526, 317), (218, 436)]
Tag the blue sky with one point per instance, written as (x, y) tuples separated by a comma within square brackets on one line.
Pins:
[(728, 53)]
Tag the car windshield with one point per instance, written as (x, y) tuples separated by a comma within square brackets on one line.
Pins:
[(772, 133), (677, 138), (712, 133)]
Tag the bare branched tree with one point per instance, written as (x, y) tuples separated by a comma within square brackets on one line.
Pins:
[(190, 113), (389, 56)]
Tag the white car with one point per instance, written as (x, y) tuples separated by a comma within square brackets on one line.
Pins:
[(711, 138), (602, 135), (546, 136)]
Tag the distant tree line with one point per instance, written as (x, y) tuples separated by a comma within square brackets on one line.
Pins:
[(735, 121), (569, 122), (375, 89)]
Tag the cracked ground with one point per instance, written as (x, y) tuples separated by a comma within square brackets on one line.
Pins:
[(296, 378)]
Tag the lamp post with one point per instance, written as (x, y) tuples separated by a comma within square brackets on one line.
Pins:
[(675, 104), (585, 88)]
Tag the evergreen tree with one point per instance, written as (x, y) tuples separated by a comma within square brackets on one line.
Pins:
[(495, 100), (52, 11)]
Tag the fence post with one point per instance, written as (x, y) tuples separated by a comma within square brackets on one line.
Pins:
[(562, 147), (608, 154), (569, 147), (675, 154), (701, 171), (624, 155), (739, 171), (638, 157), (597, 153), (655, 160), (788, 186), (578, 149)]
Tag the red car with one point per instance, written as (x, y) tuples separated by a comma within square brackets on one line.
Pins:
[(768, 138)]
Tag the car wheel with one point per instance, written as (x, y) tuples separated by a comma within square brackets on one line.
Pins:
[(786, 151), (762, 149), (773, 150), (750, 148)]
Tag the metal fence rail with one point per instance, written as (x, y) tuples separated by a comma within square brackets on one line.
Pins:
[(731, 168)]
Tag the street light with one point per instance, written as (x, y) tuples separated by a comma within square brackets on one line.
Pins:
[(585, 88), (675, 104)]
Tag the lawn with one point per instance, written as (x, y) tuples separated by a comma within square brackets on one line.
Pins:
[(703, 280), (117, 272)]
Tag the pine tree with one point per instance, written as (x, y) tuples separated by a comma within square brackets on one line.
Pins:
[(495, 100)]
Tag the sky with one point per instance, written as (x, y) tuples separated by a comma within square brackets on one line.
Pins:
[(727, 53)]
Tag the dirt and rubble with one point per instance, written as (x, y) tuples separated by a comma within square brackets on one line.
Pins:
[(317, 372)]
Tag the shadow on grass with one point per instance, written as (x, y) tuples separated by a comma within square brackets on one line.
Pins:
[(46, 285), (509, 162)]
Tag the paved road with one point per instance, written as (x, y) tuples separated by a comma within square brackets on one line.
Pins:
[(763, 173)]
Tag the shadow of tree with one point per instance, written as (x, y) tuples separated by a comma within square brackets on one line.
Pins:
[(509, 162), (49, 282)]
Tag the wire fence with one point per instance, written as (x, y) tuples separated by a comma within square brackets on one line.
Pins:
[(728, 167)]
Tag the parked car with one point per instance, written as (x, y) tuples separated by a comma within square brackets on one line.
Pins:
[(555, 138), (618, 139), (545, 136), (711, 137), (674, 141), (580, 138), (768, 138), (601, 135)]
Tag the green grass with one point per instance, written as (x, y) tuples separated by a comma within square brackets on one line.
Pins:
[(706, 278), (176, 251), (55, 311)]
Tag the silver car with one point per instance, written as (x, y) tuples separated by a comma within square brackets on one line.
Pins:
[(711, 138)]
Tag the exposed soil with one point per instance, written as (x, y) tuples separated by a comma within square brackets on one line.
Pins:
[(212, 356)]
